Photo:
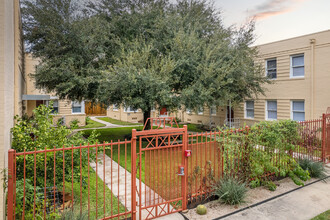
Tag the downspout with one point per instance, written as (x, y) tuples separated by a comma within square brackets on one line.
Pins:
[(312, 42)]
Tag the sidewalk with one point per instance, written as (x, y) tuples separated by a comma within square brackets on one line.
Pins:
[(301, 204)]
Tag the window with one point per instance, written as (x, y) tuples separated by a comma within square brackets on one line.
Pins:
[(213, 110), (55, 106), (200, 111), (249, 109), (297, 66), (78, 107), (129, 109), (114, 108), (271, 68), (271, 110), (188, 110), (298, 110)]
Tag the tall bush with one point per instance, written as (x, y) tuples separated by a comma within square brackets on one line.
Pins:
[(266, 148), (39, 133)]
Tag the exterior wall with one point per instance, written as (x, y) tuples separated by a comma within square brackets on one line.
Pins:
[(64, 106), (12, 80), (120, 114), (313, 88), (205, 118)]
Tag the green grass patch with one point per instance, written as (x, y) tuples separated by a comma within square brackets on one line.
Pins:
[(117, 122), (323, 216), (93, 124), (190, 127), (93, 197)]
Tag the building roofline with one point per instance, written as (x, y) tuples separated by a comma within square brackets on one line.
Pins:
[(291, 38)]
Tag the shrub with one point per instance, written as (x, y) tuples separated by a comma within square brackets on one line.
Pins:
[(230, 191), (254, 154), (315, 169), (74, 124)]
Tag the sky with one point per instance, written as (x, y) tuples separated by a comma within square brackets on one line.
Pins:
[(277, 19)]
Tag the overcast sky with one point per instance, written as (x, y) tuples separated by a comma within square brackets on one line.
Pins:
[(278, 19)]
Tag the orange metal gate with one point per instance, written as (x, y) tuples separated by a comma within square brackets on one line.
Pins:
[(161, 171)]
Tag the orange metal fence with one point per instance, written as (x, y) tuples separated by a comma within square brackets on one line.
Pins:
[(139, 178)]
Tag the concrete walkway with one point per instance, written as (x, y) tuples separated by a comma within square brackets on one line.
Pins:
[(115, 181), (304, 203)]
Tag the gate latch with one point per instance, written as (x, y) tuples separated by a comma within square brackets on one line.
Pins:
[(181, 171)]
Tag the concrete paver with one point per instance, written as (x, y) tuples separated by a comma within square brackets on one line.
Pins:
[(115, 181), (302, 204)]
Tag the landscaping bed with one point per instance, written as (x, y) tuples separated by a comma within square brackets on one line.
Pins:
[(216, 209)]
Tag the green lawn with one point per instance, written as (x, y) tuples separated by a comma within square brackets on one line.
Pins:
[(117, 122), (93, 197), (323, 216), (191, 127), (93, 124)]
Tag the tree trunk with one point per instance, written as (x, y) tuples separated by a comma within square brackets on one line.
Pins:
[(146, 115)]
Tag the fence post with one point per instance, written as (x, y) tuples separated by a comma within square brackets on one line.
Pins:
[(11, 177), (323, 136), (133, 181), (185, 164)]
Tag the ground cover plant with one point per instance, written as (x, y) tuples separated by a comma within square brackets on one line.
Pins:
[(315, 169), (323, 216), (39, 133), (230, 190)]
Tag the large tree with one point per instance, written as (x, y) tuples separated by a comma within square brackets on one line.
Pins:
[(142, 54)]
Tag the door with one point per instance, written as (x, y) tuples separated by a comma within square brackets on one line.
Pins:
[(93, 109), (160, 179), (163, 111), (230, 113)]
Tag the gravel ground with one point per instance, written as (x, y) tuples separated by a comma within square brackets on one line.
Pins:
[(215, 209)]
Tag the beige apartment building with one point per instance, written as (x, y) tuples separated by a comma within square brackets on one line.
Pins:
[(300, 70), (66, 110)]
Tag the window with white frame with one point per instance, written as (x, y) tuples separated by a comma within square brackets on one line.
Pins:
[(213, 110), (297, 66), (200, 110), (78, 107), (55, 105), (271, 70), (129, 109), (114, 107), (271, 110), (298, 110), (249, 109), (188, 110)]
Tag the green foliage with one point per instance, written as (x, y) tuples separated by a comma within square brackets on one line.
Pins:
[(141, 53), (265, 149), (87, 120), (230, 191), (315, 169), (39, 133), (74, 124), (270, 185)]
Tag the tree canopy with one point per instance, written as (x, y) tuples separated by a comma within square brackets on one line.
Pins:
[(143, 54)]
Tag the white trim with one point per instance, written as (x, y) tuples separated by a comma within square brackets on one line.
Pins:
[(266, 110), (291, 67), (245, 115), (82, 103), (266, 67), (291, 107)]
